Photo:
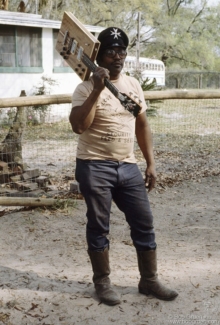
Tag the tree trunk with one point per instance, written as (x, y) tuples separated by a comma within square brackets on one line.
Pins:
[(11, 146), (4, 5)]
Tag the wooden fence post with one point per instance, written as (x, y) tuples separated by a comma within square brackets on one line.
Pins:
[(11, 146)]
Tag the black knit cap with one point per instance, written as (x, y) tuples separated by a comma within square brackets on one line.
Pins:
[(111, 37)]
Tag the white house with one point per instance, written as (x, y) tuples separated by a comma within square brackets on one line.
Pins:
[(27, 52)]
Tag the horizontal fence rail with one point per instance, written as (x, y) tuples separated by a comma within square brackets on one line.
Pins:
[(35, 100), (66, 98)]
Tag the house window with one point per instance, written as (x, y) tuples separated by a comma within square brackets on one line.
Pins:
[(20, 49), (59, 64), (7, 46)]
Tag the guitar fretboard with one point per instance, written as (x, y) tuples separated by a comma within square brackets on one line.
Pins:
[(92, 66)]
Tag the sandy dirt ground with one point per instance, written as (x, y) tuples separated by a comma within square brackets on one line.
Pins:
[(45, 273)]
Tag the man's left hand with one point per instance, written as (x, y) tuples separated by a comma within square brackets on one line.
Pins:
[(150, 178)]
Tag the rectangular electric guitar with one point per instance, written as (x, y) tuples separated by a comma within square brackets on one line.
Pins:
[(79, 49)]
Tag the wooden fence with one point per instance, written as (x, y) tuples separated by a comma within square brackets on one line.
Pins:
[(66, 98)]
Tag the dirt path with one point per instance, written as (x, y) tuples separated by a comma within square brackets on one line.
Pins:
[(45, 274)]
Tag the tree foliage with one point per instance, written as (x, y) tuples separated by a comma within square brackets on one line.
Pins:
[(183, 33)]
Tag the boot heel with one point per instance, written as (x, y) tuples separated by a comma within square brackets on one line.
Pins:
[(144, 291)]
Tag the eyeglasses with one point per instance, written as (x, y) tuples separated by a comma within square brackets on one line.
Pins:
[(112, 53)]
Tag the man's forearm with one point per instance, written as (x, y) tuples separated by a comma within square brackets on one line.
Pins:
[(145, 142), (144, 138)]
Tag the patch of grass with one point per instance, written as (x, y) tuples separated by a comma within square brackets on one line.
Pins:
[(49, 131), (187, 125)]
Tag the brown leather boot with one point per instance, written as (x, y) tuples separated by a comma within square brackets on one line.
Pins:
[(149, 283), (101, 271)]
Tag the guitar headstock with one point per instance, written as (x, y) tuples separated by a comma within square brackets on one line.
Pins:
[(132, 105)]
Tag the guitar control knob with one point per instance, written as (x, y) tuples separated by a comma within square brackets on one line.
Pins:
[(83, 70), (64, 48), (76, 69), (79, 65), (66, 57), (62, 53)]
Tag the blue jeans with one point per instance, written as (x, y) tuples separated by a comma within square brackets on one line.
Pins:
[(102, 181)]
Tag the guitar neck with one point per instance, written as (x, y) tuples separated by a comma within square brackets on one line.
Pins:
[(92, 67)]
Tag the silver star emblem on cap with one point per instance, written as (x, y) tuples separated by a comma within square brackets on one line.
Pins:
[(115, 33)]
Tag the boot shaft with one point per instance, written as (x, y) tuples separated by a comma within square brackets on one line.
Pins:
[(147, 263), (100, 265)]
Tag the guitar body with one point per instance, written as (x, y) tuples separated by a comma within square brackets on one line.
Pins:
[(79, 49), (83, 39)]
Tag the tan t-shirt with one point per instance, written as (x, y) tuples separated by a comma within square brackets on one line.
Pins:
[(111, 134)]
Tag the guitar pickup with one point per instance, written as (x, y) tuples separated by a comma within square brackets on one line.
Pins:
[(65, 37), (80, 53), (74, 47)]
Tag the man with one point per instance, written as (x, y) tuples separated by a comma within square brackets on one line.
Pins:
[(106, 168)]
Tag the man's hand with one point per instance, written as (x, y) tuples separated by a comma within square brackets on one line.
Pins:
[(150, 178), (99, 76)]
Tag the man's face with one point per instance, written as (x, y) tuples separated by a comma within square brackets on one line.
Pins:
[(113, 59)]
